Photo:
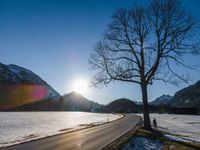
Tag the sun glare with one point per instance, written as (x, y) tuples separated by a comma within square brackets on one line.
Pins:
[(80, 86)]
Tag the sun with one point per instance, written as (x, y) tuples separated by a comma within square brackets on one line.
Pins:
[(80, 86)]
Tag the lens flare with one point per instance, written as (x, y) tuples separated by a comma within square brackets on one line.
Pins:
[(80, 86), (14, 95)]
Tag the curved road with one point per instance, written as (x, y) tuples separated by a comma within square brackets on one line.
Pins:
[(87, 139)]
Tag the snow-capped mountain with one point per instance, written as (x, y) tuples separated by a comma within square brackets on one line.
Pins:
[(187, 97), (184, 98), (17, 74), (164, 99), (20, 86), (138, 102)]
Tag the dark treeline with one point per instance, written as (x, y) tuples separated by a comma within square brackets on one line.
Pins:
[(171, 110)]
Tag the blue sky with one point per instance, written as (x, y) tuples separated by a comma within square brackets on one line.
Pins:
[(54, 39)]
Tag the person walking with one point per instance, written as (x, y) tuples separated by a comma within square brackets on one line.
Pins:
[(155, 124)]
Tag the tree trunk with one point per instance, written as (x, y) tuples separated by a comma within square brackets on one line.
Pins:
[(147, 123)]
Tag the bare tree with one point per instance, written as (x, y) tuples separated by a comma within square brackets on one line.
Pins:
[(141, 44)]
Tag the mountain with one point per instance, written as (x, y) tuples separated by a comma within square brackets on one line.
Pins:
[(121, 106), (68, 102), (164, 99), (20, 86), (53, 104), (187, 97), (76, 102), (138, 102)]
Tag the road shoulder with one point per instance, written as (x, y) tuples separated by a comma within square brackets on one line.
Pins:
[(115, 145)]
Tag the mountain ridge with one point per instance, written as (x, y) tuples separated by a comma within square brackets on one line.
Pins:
[(68, 102), (187, 97), (164, 99), (121, 105), (20, 86)]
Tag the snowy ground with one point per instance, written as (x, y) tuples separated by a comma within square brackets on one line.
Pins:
[(184, 128), (188, 126), (142, 143), (17, 127)]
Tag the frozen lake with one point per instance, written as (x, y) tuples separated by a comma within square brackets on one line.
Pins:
[(18, 127)]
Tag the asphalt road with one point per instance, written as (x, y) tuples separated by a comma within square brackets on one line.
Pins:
[(93, 138)]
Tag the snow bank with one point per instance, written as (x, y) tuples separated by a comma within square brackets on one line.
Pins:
[(142, 143)]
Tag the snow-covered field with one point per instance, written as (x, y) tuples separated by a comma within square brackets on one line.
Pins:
[(183, 127), (188, 126), (17, 127)]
